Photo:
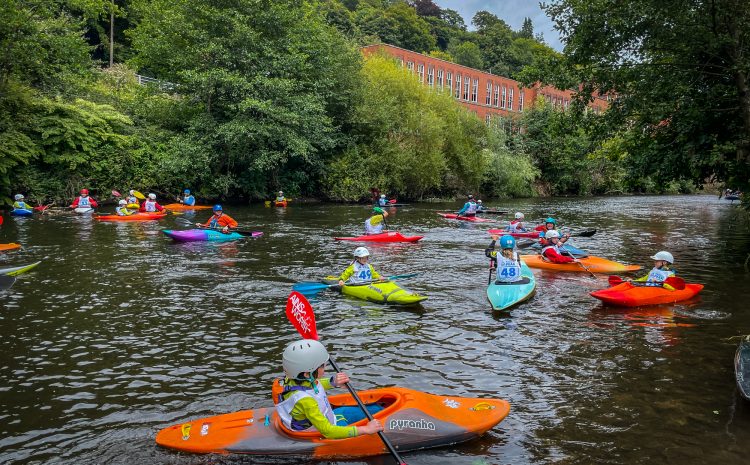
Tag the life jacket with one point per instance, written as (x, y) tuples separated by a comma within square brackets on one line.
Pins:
[(122, 211), (515, 226), (471, 209), (550, 245), (21, 205), (508, 270), (376, 229), (657, 276), (149, 205), (280, 199), (132, 200), (214, 222), (189, 200), (361, 272), (284, 407), (83, 201), (382, 202)]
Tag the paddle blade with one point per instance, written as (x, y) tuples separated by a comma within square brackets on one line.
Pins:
[(309, 287), (586, 233), (392, 201), (299, 312), (615, 280), (675, 282), (116, 194), (138, 195), (1, 219)]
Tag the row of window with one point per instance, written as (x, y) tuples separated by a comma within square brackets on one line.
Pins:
[(467, 89), (557, 102), (506, 124)]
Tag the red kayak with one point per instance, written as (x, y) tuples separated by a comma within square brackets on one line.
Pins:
[(387, 236), (630, 295), (529, 234), (453, 216)]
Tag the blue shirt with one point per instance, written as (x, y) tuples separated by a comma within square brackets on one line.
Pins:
[(189, 200)]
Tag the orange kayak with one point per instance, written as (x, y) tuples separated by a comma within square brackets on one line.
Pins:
[(11, 246), (629, 295), (280, 204), (179, 206), (133, 217), (412, 420), (594, 264)]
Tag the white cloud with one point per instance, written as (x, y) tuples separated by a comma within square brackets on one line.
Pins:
[(511, 11)]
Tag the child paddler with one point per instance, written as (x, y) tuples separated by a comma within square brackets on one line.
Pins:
[(375, 223), (359, 271), (122, 208), (303, 404), (660, 272), (551, 251), (219, 220), (507, 262)]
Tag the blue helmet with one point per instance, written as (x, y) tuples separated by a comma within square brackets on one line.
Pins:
[(550, 220), (186, 191), (507, 242), (217, 207)]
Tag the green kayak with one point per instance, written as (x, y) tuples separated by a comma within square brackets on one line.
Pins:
[(386, 292), (15, 271)]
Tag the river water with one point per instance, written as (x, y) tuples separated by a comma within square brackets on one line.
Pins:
[(120, 332)]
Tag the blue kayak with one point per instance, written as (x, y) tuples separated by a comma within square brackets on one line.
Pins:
[(21, 212), (505, 295), (194, 235)]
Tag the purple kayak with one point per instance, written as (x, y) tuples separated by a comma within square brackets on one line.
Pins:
[(210, 235)]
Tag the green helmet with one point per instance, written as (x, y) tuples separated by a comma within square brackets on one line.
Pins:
[(378, 210)]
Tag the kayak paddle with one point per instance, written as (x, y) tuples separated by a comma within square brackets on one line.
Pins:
[(311, 287), (139, 196), (6, 282), (585, 268), (300, 313), (674, 281), (116, 194), (584, 233)]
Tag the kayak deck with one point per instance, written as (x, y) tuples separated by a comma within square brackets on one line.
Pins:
[(386, 292), (630, 295), (387, 236), (505, 295), (412, 420), (593, 263)]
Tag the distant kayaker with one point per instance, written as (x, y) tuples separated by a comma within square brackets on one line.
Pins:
[(280, 197), (382, 200), (507, 263), (516, 225), (375, 223), (122, 208), (661, 271), (303, 404), (219, 220), (359, 271), (480, 207), (19, 204), (150, 205), (551, 251), (84, 201), (132, 199), (187, 199), (550, 224), (469, 208)]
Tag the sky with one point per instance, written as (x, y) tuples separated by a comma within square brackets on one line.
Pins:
[(511, 11)]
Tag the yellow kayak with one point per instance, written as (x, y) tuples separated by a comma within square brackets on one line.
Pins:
[(386, 292)]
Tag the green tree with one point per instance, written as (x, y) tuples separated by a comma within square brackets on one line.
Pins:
[(527, 29), (398, 25), (467, 54)]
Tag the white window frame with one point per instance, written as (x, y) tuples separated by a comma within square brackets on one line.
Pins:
[(487, 119), (449, 81), (420, 72), (440, 78), (504, 95), (431, 76), (520, 100), (496, 96), (474, 90), (510, 99), (458, 86), (467, 84), (488, 96), (410, 66)]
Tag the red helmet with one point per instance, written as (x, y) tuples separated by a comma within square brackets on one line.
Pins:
[(84, 192)]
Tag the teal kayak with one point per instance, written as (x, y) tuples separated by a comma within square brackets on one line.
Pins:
[(194, 235), (505, 295)]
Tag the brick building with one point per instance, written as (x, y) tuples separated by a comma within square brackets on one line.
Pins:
[(497, 99)]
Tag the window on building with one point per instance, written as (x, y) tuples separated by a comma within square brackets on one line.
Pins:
[(448, 76), (566, 102), (402, 62), (474, 90), (440, 78), (487, 119), (488, 96), (504, 96), (420, 72), (410, 66), (510, 98), (430, 76), (458, 86), (520, 100), (467, 83), (496, 96)]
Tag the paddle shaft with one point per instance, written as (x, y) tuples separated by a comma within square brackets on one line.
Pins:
[(586, 268), (362, 406)]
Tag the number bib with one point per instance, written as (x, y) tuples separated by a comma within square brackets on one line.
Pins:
[(508, 271)]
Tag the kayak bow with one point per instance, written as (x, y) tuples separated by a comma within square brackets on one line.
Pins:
[(387, 236), (506, 295), (386, 292), (630, 295), (15, 271)]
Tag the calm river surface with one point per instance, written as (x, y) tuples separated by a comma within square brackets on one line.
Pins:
[(121, 332)]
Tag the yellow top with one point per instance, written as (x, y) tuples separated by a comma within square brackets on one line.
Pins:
[(307, 409)]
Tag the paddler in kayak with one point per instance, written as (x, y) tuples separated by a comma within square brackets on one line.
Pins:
[(508, 262), (550, 224), (303, 404), (359, 271), (551, 251), (516, 225), (150, 205), (187, 199), (219, 220), (122, 208), (660, 272), (84, 201), (469, 208), (132, 200), (375, 223), (480, 207), (382, 202), (280, 196), (19, 204)]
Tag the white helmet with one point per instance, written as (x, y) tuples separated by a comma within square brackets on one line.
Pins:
[(122, 202), (152, 196), (552, 234), (663, 255), (519, 215), (18, 196), (382, 196), (360, 252), (131, 192), (479, 201), (281, 192), (302, 356)]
